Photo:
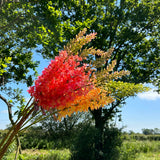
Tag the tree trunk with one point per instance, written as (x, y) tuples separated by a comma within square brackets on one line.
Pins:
[(99, 125)]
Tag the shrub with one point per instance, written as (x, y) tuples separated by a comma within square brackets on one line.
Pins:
[(112, 143), (85, 144)]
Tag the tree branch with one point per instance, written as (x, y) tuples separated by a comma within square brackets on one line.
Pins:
[(9, 105)]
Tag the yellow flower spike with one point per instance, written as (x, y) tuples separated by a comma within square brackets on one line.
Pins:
[(95, 99)]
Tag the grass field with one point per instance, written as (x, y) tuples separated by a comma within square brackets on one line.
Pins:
[(34, 154), (140, 150), (148, 156), (130, 150)]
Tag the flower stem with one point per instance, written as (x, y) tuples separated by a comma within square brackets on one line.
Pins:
[(14, 131)]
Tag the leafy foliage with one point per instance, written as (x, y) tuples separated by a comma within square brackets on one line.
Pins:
[(85, 143), (3, 65), (120, 89), (131, 27), (23, 31), (13, 43)]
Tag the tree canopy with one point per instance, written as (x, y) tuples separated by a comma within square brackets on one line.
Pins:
[(131, 27)]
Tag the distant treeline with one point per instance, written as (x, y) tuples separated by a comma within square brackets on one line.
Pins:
[(141, 137)]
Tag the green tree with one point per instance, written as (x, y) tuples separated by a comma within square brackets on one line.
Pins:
[(154, 131), (128, 26), (147, 131), (131, 27)]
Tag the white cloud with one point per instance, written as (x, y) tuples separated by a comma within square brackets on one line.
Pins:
[(4, 111), (151, 95)]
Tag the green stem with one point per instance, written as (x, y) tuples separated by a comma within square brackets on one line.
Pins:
[(15, 131), (19, 124), (30, 119), (13, 127), (36, 121), (6, 136)]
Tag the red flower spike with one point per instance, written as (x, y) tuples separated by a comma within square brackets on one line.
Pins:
[(61, 82)]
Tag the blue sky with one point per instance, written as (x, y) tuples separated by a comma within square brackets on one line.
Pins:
[(142, 111)]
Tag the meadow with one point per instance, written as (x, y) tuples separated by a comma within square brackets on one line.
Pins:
[(35, 154), (130, 150), (140, 150), (134, 147)]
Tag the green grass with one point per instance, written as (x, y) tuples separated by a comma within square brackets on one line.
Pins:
[(34, 154), (148, 156), (140, 150), (130, 150)]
